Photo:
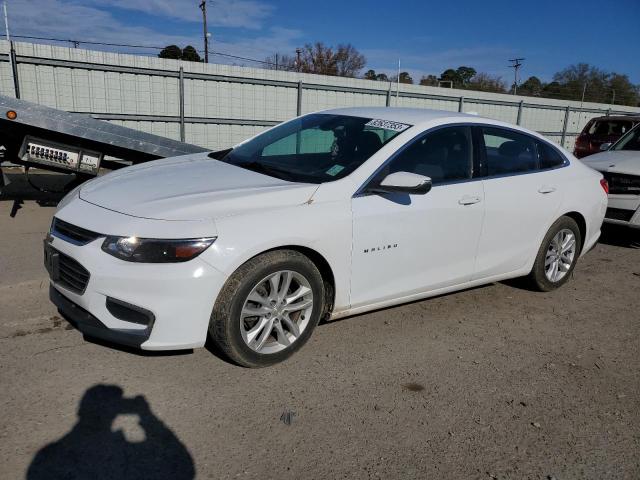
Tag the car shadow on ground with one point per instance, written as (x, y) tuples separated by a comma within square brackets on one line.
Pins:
[(94, 450), (620, 236)]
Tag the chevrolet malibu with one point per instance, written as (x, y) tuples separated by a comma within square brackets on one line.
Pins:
[(327, 215)]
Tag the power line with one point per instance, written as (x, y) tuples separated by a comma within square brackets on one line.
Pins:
[(150, 47)]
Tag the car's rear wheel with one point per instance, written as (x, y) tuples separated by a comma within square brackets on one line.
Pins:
[(268, 308), (557, 255)]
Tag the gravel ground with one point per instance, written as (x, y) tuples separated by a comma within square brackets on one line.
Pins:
[(492, 382)]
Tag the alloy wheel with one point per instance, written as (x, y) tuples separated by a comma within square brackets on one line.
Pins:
[(276, 312), (560, 255)]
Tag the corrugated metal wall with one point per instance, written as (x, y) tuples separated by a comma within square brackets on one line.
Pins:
[(223, 104)]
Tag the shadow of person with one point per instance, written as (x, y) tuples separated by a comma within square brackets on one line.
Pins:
[(93, 450)]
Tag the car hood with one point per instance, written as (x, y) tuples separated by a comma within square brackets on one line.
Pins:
[(618, 161), (191, 187)]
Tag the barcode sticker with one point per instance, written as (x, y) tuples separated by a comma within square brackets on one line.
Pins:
[(387, 125)]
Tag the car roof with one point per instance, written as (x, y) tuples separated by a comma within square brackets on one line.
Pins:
[(616, 118), (412, 116)]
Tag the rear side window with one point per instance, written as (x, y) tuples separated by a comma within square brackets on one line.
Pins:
[(604, 128), (508, 151), (548, 157), (444, 155)]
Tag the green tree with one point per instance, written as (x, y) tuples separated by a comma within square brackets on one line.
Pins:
[(623, 92), (370, 75), (429, 80), (405, 78), (465, 74), (459, 77), (190, 54), (450, 75), (531, 87), (171, 51)]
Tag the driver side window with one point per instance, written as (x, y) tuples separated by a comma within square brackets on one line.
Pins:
[(444, 155)]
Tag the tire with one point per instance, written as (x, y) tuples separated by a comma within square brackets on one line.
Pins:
[(541, 277), (234, 331)]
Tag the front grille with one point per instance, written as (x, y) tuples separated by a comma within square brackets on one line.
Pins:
[(619, 214), (73, 276), (72, 233), (621, 183)]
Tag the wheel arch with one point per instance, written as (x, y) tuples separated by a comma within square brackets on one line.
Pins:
[(582, 225), (323, 266)]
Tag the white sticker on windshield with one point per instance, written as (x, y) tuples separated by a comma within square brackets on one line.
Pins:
[(387, 125)]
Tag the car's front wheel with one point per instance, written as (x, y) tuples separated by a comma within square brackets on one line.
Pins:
[(557, 256), (268, 308)]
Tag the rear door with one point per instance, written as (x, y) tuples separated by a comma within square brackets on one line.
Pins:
[(523, 193)]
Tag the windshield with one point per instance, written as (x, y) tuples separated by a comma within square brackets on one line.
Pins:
[(631, 141), (316, 148)]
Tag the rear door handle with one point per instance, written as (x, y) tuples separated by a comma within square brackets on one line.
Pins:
[(546, 189), (469, 200)]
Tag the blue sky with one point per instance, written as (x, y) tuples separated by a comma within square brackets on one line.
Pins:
[(428, 37)]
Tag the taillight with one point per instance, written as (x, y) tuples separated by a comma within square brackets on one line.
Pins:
[(604, 185)]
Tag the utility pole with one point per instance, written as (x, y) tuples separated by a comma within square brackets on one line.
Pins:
[(203, 7), (584, 90), (12, 54), (516, 63), (398, 85), (613, 100), (298, 53)]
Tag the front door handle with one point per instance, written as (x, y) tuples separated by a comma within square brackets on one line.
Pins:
[(469, 200), (546, 189)]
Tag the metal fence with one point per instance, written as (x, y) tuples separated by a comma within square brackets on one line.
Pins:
[(216, 106)]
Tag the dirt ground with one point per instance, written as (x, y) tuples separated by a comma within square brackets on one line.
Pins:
[(493, 382)]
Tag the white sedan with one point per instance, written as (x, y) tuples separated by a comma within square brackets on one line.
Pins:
[(327, 215)]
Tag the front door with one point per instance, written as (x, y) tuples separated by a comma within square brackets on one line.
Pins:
[(405, 244)]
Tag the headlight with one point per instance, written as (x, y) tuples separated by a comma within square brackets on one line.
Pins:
[(150, 250)]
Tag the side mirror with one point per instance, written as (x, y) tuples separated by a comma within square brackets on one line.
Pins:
[(605, 146), (403, 182)]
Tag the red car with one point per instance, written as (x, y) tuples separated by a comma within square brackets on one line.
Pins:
[(601, 130)]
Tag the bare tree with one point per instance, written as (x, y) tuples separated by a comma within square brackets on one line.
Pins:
[(429, 80), (349, 61), (486, 83), (279, 61), (344, 61)]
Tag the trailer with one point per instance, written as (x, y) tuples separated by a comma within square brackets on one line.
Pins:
[(32, 135)]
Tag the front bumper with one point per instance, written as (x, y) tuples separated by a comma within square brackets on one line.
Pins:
[(623, 210), (176, 299)]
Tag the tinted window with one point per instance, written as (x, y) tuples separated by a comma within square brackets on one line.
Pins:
[(444, 155), (508, 151), (604, 128), (548, 157)]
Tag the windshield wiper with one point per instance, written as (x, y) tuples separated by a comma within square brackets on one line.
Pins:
[(270, 170), (220, 154)]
